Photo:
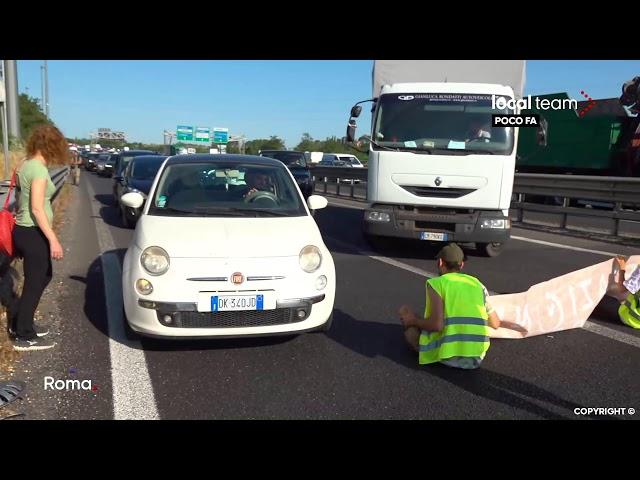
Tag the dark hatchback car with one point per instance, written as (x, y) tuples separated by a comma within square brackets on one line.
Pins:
[(90, 161), (297, 164), (138, 177), (104, 165), (121, 160)]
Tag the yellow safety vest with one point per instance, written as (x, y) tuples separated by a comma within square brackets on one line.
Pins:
[(629, 311), (465, 332)]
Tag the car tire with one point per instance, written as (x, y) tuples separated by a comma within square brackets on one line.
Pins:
[(490, 249), (326, 326), (129, 333), (126, 222)]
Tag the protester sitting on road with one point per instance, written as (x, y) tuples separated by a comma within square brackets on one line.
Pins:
[(457, 316), (627, 292), (33, 236)]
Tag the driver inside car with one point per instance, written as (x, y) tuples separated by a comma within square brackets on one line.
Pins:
[(257, 181)]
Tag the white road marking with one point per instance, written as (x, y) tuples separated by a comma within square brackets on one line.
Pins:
[(559, 245), (133, 396)]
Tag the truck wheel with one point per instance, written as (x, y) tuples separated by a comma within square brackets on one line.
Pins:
[(490, 249)]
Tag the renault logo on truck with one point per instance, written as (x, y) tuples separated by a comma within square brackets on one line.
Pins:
[(438, 181)]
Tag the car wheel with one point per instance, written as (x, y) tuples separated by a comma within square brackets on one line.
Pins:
[(490, 249), (126, 221), (129, 333), (327, 325)]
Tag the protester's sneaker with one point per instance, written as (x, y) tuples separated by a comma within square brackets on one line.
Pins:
[(40, 331), (34, 344)]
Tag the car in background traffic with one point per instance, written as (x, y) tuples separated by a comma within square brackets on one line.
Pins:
[(215, 256), (103, 167), (122, 159), (138, 177), (297, 164), (91, 159), (343, 161)]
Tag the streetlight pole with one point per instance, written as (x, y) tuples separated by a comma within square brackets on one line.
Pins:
[(42, 99), (46, 88)]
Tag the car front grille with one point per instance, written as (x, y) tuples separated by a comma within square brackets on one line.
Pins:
[(247, 318)]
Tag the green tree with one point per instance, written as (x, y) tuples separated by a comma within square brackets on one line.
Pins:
[(30, 116), (307, 144), (254, 146)]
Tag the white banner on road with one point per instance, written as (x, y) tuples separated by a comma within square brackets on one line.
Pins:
[(561, 303)]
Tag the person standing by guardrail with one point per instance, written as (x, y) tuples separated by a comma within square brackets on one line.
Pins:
[(33, 236)]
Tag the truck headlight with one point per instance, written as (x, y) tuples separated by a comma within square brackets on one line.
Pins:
[(310, 258), (496, 223), (155, 260), (378, 217)]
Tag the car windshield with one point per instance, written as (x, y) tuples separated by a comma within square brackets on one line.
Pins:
[(124, 161), (145, 168), (350, 160), (441, 121), (229, 190), (290, 159)]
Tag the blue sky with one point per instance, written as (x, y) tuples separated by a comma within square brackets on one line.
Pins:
[(254, 98)]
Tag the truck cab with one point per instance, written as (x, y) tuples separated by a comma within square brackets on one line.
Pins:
[(438, 168)]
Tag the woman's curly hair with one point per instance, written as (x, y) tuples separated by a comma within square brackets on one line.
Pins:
[(51, 143)]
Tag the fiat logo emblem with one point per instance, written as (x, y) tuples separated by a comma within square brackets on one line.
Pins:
[(237, 278), (438, 181)]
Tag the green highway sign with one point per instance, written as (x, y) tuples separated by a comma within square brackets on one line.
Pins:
[(203, 134), (220, 135), (184, 133)]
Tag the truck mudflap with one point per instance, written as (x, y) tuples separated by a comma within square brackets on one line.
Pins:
[(437, 224)]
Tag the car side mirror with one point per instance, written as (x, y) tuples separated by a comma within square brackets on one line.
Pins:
[(316, 202), (132, 200)]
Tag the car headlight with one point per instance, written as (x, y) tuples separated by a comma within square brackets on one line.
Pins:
[(155, 260), (310, 258)]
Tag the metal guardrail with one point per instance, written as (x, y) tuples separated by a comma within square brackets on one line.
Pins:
[(58, 177), (589, 204)]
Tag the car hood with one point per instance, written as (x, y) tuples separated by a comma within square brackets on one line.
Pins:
[(197, 237), (143, 185)]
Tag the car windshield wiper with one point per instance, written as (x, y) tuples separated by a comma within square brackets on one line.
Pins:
[(175, 210), (273, 213), (224, 211), (480, 152)]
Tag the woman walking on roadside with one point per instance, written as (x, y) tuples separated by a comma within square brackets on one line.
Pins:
[(33, 236)]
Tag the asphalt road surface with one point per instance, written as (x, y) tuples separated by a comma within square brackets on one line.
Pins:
[(361, 369)]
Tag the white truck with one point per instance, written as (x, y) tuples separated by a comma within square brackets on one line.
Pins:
[(438, 170)]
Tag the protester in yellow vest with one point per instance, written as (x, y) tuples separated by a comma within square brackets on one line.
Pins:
[(627, 292), (457, 317)]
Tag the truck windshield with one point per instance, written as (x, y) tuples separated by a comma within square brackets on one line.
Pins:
[(441, 121)]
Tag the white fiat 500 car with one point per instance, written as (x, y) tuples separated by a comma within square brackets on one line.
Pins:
[(226, 247)]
